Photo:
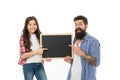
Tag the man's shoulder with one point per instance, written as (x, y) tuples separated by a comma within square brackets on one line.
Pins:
[(91, 37)]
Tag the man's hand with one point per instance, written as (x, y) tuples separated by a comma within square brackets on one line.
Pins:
[(68, 59), (77, 50)]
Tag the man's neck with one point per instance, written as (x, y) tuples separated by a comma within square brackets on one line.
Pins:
[(78, 41)]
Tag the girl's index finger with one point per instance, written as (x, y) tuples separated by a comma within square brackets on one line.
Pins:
[(45, 48)]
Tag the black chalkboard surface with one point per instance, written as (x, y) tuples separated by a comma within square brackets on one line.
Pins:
[(57, 44)]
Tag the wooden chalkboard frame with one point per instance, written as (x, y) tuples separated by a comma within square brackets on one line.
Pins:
[(57, 47)]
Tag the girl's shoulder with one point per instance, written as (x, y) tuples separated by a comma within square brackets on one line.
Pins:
[(21, 37)]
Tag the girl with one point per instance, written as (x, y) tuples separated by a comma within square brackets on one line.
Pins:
[(30, 51)]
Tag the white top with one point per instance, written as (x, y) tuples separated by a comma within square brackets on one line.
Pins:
[(35, 45), (76, 67)]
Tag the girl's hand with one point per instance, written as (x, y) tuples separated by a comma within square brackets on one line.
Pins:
[(40, 50), (48, 59)]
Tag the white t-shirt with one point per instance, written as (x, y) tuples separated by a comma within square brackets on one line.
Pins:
[(35, 45), (76, 67)]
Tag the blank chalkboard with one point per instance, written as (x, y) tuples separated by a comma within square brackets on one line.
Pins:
[(57, 44)]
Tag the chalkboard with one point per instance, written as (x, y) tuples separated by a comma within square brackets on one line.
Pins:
[(57, 44)]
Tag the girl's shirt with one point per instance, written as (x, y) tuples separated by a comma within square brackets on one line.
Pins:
[(24, 49), (35, 45)]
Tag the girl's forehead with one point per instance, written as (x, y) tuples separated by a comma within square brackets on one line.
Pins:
[(32, 21)]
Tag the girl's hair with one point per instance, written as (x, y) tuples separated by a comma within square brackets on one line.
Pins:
[(26, 35)]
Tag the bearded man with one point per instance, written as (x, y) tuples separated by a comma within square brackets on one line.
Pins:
[(86, 51)]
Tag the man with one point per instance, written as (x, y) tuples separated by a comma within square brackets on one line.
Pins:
[(86, 51)]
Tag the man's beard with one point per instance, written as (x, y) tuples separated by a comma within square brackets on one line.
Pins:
[(79, 35)]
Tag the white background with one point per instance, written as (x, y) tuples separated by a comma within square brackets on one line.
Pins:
[(56, 16)]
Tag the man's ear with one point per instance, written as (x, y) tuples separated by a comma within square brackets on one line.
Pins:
[(86, 26)]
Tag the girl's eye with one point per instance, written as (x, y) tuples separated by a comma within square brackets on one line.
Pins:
[(35, 24), (29, 24)]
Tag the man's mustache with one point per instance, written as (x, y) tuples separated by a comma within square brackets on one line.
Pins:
[(78, 29)]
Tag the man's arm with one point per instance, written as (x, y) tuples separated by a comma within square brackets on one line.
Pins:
[(90, 59)]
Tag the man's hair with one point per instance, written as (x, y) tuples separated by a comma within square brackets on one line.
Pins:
[(80, 17)]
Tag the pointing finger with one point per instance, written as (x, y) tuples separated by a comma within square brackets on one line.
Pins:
[(70, 45), (45, 48)]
